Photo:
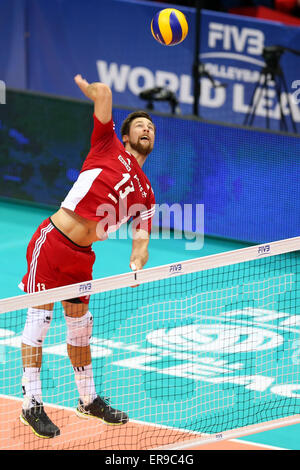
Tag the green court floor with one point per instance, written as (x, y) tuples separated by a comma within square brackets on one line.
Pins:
[(19, 221)]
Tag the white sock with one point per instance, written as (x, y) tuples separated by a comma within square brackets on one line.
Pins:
[(31, 387), (85, 383)]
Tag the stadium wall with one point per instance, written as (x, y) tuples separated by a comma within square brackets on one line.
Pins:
[(247, 179)]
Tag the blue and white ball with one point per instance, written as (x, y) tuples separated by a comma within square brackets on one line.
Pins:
[(169, 27)]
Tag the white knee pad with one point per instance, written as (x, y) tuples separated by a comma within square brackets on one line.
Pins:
[(36, 326), (79, 330)]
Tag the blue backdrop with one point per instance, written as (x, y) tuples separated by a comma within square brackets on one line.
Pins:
[(13, 43), (248, 180), (111, 41)]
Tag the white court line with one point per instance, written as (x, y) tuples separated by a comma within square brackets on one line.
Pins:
[(264, 446), (185, 444), (143, 423), (234, 433)]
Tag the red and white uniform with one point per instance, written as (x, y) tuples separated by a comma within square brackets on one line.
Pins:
[(54, 261), (111, 189)]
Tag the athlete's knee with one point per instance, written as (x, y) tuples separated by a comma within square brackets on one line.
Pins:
[(79, 329), (74, 307), (36, 327)]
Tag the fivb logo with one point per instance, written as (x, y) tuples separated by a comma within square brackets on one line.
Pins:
[(296, 94), (263, 250), (85, 288), (232, 38), (2, 92), (175, 268)]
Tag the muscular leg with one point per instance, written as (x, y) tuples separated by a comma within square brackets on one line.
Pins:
[(35, 330), (79, 324), (33, 414), (31, 355), (79, 355)]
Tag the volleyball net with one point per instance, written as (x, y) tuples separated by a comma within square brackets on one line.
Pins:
[(202, 349)]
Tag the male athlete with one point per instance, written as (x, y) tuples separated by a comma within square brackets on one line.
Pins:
[(110, 190)]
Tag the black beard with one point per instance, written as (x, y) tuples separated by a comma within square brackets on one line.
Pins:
[(140, 148)]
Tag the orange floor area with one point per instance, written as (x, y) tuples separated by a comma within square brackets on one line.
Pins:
[(92, 434)]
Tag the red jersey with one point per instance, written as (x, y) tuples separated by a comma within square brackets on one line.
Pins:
[(111, 187)]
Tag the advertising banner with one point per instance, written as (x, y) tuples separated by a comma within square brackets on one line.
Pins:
[(13, 44), (47, 43), (233, 183), (117, 48), (241, 53)]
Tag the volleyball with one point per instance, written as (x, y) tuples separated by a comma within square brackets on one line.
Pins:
[(169, 27)]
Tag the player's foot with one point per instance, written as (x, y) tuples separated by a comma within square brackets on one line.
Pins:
[(40, 423), (100, 408)]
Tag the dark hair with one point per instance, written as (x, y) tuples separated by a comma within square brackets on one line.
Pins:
[(127, 122)]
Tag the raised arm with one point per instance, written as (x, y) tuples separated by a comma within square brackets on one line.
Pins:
[(100, 94), (139, 254)]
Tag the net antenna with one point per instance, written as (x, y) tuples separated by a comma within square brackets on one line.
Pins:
[(272, 72)]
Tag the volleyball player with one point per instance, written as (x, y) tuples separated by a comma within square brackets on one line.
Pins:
[(60, 251)]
